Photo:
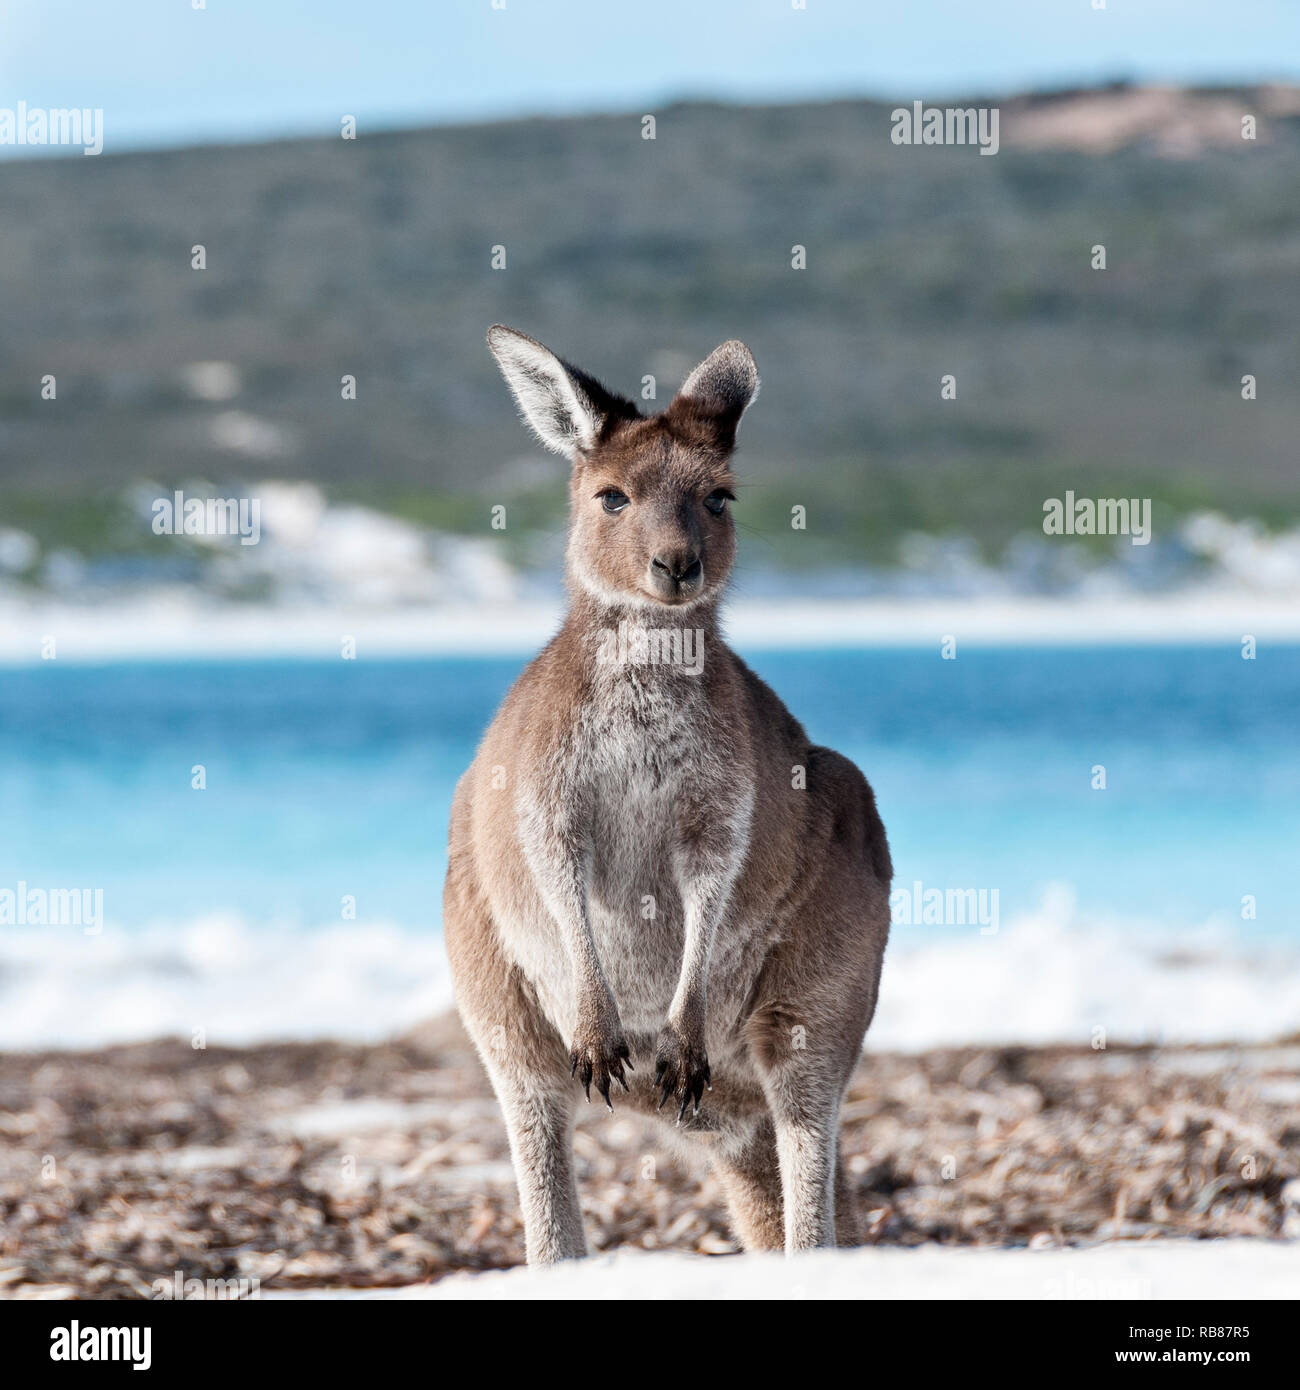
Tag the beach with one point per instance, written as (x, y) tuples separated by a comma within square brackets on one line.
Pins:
[(183, 625), (319, 1166), (381, 409), (1129, 1271), (235, 1074)]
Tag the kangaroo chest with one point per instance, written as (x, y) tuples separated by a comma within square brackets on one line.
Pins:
[(639, 761)]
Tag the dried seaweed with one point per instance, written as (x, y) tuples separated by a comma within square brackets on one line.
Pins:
[(326, 1164)]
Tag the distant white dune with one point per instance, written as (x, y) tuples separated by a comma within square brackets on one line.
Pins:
[(1162, 1269), (323, 572), (182, 625)]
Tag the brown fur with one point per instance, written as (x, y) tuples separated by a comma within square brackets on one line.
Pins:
[(652, 867)]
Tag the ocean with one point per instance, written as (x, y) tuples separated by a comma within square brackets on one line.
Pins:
[(297, 891)]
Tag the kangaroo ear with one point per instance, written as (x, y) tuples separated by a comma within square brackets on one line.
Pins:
[(567, 409), (723, 386)]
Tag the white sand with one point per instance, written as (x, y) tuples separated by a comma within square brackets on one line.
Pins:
[(1176, 1269), (180, 625)]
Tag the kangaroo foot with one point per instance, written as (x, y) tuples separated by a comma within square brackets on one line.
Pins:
[(598, 1055), (681, 1069)]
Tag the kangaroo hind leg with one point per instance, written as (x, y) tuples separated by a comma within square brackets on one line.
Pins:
[(529, 1069), (751, 1178)]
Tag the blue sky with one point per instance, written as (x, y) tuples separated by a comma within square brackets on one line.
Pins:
[(167, 74)]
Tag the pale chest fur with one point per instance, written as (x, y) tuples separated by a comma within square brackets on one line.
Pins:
[(640, 750), (643, 756)]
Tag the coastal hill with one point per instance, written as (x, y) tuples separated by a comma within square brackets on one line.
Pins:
[(374, 258)]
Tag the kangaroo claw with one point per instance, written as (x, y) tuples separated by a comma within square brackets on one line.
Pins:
[(601, 1061), (682, 1072)]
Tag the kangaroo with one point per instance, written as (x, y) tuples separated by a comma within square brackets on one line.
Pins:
[(651, 868)]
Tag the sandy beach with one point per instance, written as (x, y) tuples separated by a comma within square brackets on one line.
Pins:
[(1125, 1270), (316, 1166), (179, 625)]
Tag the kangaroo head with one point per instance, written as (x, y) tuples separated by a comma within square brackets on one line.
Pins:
[(649, 521)]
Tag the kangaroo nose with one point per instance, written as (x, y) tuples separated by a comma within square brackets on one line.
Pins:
[(683, 566)]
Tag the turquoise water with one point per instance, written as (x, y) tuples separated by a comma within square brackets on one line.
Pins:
[(334, 779)]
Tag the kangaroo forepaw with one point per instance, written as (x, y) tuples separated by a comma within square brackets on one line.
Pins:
[(600, 1059), (682, 1070)]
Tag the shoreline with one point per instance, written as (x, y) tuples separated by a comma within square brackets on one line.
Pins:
[(339, 1166), (181, 626)]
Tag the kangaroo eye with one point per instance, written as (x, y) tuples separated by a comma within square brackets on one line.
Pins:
[(717, 501), (613, 499)]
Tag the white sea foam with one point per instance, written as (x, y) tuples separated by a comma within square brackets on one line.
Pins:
[(1050, 976), (237, 981), (1055, 976)]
